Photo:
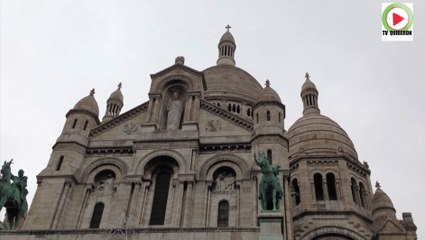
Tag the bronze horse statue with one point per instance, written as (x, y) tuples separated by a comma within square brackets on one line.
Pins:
[(270, 190), (13, 195)]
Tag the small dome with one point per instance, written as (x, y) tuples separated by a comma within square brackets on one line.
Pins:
[(381, 200), (227, 37), (318, 134), (269, 94), (308, 85), (117, 95), (232, 82), (88, 103)]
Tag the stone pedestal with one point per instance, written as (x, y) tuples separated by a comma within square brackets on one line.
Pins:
[(271, 225)]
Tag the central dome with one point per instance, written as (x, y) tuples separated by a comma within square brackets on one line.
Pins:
[(226, 81)]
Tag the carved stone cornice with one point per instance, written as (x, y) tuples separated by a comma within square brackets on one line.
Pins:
[(243, 123), (165, 145), (110, 150), (121, 118), (225, 147)]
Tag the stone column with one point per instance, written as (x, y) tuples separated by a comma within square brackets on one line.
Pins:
[(61, 204), (188, 205)]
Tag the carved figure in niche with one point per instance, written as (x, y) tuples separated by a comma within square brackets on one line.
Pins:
[(225, 181), (270, 190), (174, 112)]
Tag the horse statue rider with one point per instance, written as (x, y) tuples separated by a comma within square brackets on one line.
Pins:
[(13, 195), (270, 190)]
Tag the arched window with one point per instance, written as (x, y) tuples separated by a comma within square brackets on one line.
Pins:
[(223, 214), (229, 107), (354, 189), (318, 186), (296, 190), (238, 109), (330, 181), (97, 215), (159, 204), (362, 192), (105, 176), (268, 116), (270, 156), (234, 108), (248, 112)]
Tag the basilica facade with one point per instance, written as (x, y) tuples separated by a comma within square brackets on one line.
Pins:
[(182, 166)]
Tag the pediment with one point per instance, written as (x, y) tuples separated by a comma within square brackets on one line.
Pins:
[(123, 121), (194, 79), (391, 227), (216, 121)]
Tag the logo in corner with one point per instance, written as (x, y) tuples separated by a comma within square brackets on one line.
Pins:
[(397, 21)]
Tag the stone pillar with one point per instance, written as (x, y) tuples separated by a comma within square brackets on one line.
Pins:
[(188, 205), (61, 204), (141, 210)]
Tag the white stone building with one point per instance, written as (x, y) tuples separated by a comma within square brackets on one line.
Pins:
[(181, 166)]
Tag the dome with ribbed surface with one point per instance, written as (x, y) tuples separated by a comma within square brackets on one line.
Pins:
[(88, 103), (227, 36), (381, 201), (269, 94), (224, 81), (308, 85), (117, 95), (318, 134)]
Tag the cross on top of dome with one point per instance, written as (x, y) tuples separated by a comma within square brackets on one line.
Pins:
[(92, 92), (228, 27)]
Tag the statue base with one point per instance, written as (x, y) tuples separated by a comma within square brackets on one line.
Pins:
[(271, 225)]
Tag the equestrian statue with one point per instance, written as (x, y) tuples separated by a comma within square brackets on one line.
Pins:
[(13, 196), (270, 191)]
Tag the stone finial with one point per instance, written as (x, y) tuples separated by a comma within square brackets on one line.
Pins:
[(377, 185), (92, 92), (307, 76), (267, 83), (120, 85), (228, 27), (179, 60)]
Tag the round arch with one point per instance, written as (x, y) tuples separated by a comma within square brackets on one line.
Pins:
[(140, 168), (116, 165), (343, 233), (226, 160)]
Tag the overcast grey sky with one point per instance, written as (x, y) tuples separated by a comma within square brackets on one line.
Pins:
[(54, 52)]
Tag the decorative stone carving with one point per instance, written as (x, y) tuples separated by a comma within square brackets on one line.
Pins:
[(174, 112), (130, 128), (224, 182), (213, 125)]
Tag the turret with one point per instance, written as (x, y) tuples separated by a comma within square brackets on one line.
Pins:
[(309, 95), (226, 49), (114, 104), (80, 120), (269, 112)]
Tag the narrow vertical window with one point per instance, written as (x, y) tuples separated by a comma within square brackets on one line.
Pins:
[(58, 166), (85, 124), (268, 115), (353, 189), (248, 112), (362, 195), (229, 108), (296, 190), (159, 204), (280, 117), (269, 155), (318, 186), (238, 109), (223, 214), (97, 215), (75, 123), (234, 108), (257, 117), (330, 181)]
